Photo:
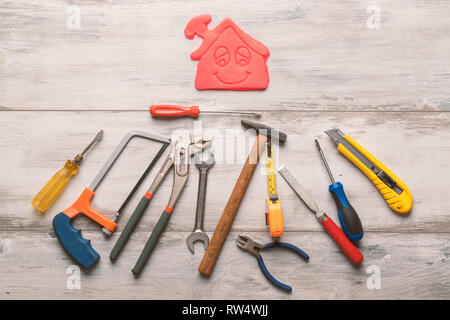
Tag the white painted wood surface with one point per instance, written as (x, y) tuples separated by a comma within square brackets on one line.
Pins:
[(129, 54), (389, 89)]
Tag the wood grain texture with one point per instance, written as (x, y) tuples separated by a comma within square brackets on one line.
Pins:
[(415, 146), (411, 252), (411, 266), (131, 54), (389, 89)]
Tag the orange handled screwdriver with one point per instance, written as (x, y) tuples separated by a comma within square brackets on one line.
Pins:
[(173, 111), (58, 182)]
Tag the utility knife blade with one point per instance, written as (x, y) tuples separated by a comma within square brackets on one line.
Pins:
[(394, 191)]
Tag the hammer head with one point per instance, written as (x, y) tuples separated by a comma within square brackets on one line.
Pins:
[(265, 130)]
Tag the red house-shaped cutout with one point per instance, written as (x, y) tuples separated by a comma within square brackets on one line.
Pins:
[(228, 57)]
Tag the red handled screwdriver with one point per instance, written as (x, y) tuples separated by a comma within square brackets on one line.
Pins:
[(173, 111), (346, 246)]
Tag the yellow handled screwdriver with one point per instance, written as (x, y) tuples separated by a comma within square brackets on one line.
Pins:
[(58, 182)]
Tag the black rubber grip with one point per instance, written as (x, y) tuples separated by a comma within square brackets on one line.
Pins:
[(129, 228), (351, 224), (151, 242)]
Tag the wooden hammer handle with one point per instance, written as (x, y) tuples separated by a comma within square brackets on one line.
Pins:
[(224, 225)]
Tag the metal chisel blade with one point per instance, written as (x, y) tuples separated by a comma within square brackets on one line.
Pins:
[(299, 190)]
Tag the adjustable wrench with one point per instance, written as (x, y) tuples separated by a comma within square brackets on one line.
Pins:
[(198, 234)]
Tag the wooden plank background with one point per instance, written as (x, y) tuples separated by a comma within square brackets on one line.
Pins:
[(388, 88)]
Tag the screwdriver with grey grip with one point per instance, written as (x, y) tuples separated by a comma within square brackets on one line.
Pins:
[(350, 222)]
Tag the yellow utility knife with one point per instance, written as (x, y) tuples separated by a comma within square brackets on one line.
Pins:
[(394, 191)]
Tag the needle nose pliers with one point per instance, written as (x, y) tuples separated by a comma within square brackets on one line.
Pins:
[(245, 243)]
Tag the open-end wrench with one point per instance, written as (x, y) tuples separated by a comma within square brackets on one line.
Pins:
[(198, 234)]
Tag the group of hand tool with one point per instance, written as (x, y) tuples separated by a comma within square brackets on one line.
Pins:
[(394, 191), (178, 157), (179, 152)]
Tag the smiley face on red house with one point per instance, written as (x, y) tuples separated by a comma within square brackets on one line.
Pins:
[(228, 57)]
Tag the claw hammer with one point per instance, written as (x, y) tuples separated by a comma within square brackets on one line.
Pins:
[(223, 227)]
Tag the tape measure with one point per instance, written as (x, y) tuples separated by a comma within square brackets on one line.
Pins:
[(274, 214)]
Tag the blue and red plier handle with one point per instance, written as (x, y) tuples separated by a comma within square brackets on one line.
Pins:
[(244, 242)]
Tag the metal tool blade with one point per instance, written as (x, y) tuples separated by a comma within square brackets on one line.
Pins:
[(324, 160), (118, 150), (337, 137), (299, 190)]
